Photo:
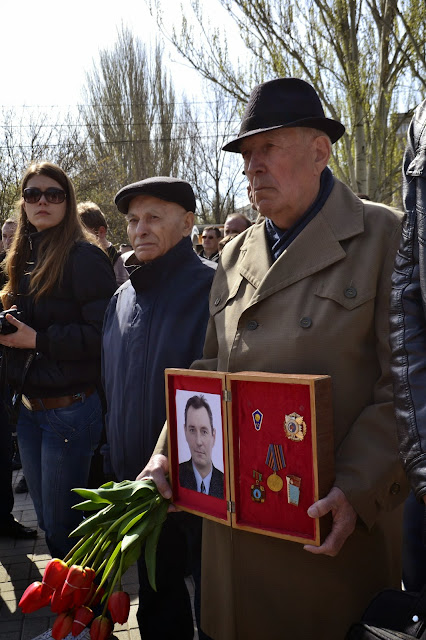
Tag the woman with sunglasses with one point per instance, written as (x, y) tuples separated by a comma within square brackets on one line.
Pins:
[(61, 285)]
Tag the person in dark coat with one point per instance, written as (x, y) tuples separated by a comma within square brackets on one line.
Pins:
[(408, 344), (156, 319), (61, 285), (199, 473)]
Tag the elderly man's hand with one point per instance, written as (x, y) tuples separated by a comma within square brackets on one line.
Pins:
[(157, 469), (344, 520)]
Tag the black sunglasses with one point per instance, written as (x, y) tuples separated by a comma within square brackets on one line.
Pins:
[(33, 195)]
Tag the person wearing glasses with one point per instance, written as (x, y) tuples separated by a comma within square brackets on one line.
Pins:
[(61, 285), (210, 239)]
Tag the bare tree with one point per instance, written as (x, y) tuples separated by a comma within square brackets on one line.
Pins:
[(366, 58), (215, 176), (130, 111), (31, 137)]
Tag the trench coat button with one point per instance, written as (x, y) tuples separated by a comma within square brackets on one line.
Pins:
[(351, 292), (217, 301), (395, 488), (305, 322), (252, 325)]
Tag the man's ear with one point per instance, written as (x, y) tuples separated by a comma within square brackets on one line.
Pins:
[(189, 219), (322, 152)]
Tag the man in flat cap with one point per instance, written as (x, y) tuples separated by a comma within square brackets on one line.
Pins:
[(156, 319), (306, 290)]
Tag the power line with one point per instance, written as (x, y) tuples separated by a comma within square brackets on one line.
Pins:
[(109, 142), (114, 104), (123, 124)]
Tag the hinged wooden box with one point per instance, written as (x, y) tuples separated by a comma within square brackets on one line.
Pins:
[(251, 450)]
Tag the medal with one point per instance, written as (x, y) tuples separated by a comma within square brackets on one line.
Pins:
[(257, 419), (295, 427), (275, 460), (293, 489), (257, 490)]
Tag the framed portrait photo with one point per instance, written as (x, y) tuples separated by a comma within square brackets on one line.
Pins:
[(198, 442)]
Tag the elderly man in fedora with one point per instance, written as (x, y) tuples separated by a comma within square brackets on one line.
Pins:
[(156, 319), (306, 290)]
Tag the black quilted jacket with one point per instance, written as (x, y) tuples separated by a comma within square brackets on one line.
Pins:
[(408, 310), (68, 323)]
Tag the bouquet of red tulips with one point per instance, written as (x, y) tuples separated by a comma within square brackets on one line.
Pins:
[(127, 516)]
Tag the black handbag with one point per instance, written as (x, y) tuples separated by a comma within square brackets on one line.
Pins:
[(392, 615)]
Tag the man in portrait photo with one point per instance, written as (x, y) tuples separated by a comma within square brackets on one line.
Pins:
[(199, 473)]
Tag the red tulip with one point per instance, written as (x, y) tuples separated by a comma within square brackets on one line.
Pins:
[(62, 626), (83, 592), (119, 606), (33, 598), (75, 579), (54, 574), (59, 604), (101, 628), (82, 617)]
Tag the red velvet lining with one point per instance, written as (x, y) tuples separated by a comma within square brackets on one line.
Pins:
[(275, 401)]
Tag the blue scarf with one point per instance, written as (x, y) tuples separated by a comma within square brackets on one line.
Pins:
[(279, 239)]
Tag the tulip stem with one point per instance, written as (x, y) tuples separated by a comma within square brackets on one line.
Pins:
[(75, 547)]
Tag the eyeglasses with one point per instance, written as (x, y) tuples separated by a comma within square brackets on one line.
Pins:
[(208, 237), (52, 195)]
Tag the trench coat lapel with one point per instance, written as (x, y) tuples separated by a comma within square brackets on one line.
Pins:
[(315, 248)]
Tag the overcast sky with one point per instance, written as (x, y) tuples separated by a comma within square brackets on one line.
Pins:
[(47, 46)]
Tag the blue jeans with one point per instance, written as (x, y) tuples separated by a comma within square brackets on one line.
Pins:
[(56, 449)]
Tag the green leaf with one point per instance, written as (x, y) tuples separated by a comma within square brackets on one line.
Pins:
[(131, 555), (156, 515), (107, 485), (105, 517), (138, 532), (88, 505), (129, 523), (128, 491), (151, 554), (90, 494)]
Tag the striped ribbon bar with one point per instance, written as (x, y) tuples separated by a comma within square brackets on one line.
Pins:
[(275, 457)]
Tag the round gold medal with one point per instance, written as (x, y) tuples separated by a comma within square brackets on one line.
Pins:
[(274, 482)]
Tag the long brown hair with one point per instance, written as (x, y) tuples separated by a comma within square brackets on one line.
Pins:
[(54, 248)]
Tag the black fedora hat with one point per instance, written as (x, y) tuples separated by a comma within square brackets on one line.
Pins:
[(285, 102)]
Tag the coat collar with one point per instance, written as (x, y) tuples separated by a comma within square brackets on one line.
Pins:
[(315, 248), (149, 275)]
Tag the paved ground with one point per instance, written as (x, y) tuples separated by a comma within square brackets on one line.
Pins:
[(23, 562)]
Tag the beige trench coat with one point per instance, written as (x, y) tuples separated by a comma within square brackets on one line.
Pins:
[(321, 308)]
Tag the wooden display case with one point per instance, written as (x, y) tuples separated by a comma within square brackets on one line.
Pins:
[(270, 443)]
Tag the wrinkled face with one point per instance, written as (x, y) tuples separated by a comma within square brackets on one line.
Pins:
[(284, 168), (44, 214), (234, 224), (200, 437), (154, 226), (210, 242), (7, 233)]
